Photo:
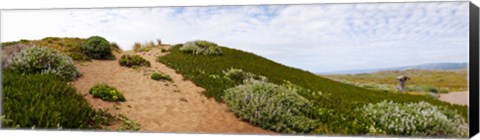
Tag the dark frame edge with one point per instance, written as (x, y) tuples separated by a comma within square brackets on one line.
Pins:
[(473, 119), (1, 76)]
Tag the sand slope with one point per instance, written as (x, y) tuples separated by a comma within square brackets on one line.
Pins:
[(460, 98), (160, 106)]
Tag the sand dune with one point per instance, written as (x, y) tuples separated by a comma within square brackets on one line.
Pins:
[(160, 106)]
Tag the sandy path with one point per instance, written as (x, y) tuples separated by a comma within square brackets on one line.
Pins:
[(160, 106), (460, 98)]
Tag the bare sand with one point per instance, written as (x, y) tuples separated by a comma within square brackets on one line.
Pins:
[(160, 106), (460, 98)]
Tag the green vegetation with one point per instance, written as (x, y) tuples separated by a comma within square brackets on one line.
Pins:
[(127, 124), (339, 99), (421, 80), (97, 47), (238, 75), (160, 76), (43, 101), (72, 47), (106, 119), (44, 61), (145, 47), (202, 47), (271, 106), (68, 46), (133, 61), (36, 91), (106, 92), (413, 119)]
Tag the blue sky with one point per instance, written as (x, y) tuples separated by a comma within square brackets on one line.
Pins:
[(317, 38)]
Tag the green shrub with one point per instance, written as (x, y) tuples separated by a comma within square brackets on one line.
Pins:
[(271, 106), (238, 75), (201, 47), (44, 60), (160, 76), (106, 92), (97, 47), (43, 101), (164, 50), (413, 119), (133, 61)]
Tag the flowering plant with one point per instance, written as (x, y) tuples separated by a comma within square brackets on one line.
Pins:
[(413, 119), (44, 61)]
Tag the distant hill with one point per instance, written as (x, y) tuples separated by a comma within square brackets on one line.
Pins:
[(428, 66)]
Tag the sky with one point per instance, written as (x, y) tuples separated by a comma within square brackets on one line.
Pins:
[(317, 38)]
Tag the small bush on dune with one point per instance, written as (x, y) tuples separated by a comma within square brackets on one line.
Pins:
[(44, 60), (106, 92), (43, 101), (160, 76), (238, 75), (133, 61), (413, 119), (97, 48), (201, 47), (271, 106)]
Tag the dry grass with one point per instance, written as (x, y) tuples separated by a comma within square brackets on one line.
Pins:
[(145, 47), (449, 80)]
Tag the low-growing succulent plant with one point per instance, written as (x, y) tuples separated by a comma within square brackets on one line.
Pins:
[(106, 92), (160, 76), (133, 61)]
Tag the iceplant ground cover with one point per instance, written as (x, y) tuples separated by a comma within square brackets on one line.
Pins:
[(342, 115)]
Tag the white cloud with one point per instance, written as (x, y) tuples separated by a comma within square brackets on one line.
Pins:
[(324, 37)]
